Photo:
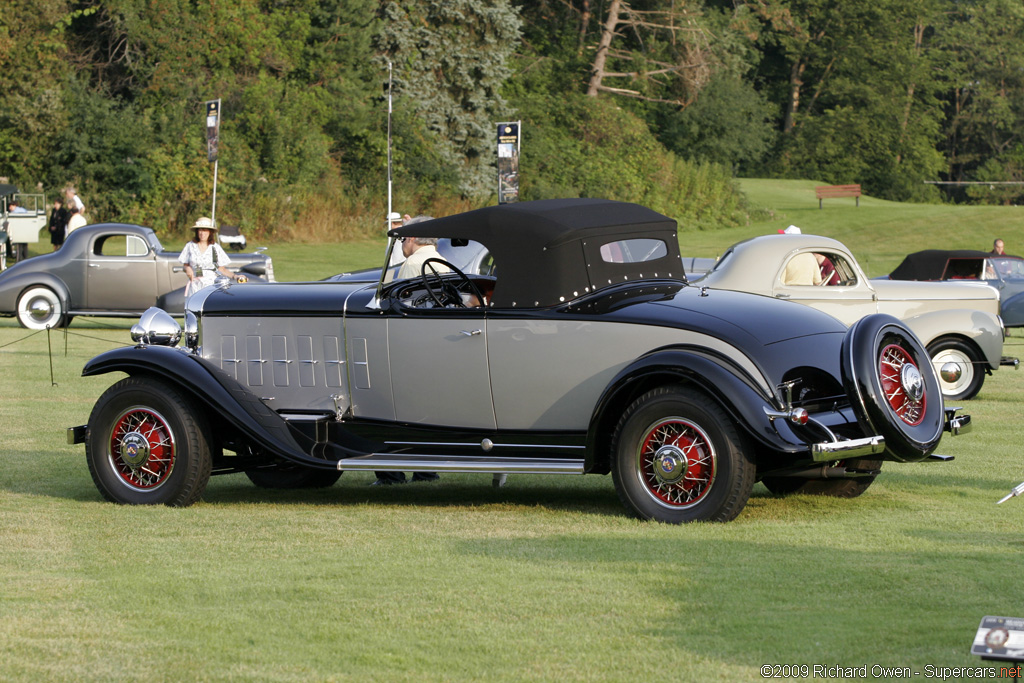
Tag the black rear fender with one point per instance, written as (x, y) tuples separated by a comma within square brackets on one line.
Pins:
[(716, 376)]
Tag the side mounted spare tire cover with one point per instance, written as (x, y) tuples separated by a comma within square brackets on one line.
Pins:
[(889, 379)]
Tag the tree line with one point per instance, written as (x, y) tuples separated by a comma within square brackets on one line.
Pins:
[(662, 102)]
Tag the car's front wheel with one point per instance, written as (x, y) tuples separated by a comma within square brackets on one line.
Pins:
[(40, 307), (679, 458), (148, 445), (959, 367)]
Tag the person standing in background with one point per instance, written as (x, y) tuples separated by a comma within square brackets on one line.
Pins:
[(75, 220), (58, 224), (395, 220), (74, 202)]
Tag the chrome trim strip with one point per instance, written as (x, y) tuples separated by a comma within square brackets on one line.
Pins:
[(854, 448), (432, 463), (477, 444), (305, 417)]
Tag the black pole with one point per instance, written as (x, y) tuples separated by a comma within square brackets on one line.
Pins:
[(49, 349)]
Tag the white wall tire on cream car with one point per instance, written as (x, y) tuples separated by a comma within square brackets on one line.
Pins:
[(679, 458), (960, 369), (148, 445), (40, 307)]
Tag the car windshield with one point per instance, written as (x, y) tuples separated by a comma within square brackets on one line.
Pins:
[(1007, 268)]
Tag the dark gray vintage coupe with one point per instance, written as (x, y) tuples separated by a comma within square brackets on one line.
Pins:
[(107, 269), (584, 350)]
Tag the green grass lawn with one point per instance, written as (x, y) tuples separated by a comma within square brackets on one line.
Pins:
[(545, 579)]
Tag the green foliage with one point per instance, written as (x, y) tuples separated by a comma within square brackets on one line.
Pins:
[(730, 124), (986, 94), (585, 147), (450, 59), (888, 93), (104, 146)]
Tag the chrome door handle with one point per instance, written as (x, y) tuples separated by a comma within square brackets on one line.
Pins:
[(472, 333)]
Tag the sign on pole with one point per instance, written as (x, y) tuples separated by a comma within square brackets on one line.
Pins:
[(212, 128), (508, 162)]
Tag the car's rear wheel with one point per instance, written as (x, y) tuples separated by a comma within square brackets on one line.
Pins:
[(40, 307), (148, 445), (892, 386), (679, 458), (293, 477), (959, 367), (835, 488)]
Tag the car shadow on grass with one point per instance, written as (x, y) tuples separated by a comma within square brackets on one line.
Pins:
[(571, 494)]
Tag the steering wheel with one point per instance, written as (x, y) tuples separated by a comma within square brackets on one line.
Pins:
[(442, 291)]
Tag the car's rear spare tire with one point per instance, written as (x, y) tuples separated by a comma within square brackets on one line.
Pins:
[(890, 381)]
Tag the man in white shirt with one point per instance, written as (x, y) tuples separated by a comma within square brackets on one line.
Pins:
[(417, 250)]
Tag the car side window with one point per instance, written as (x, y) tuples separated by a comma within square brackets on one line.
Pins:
[(836, 271), (633, 251), (121, 245), (819, 268)]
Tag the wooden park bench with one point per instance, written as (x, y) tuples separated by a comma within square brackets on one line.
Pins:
[(830, 191)]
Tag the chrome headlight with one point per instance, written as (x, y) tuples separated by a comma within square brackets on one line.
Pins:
[(191, 331), (156, 326)]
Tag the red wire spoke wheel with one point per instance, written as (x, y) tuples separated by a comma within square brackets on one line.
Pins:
[(678, 457), (142, 448), (148, 444), (677, 462), (902, 384)]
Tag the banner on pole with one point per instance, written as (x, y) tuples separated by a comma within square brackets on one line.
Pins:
[(508, 162), (212, 128)]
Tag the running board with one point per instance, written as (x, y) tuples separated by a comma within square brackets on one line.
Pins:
[(411, 462)]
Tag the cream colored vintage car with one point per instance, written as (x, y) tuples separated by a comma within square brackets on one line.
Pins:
[(958, 323)]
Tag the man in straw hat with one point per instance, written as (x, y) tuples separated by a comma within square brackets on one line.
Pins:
[(203, 258)]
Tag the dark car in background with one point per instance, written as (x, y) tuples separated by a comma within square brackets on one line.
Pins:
[(1004, 272), (583, 350), (106, 269)]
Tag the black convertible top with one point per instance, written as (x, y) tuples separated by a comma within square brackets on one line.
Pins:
[(941, 264), (549, 251)]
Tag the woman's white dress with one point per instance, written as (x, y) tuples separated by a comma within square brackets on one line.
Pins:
[(203, 264)]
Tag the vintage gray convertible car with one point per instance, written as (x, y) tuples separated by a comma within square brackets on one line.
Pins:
[(107, 269), (584, 352), (1004, 272), (959, 324)]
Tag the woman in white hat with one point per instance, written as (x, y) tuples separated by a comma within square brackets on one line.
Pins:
[(203, 257)]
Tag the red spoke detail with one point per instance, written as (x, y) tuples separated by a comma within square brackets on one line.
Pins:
[(890, 365), (157, 467), (694, 446)]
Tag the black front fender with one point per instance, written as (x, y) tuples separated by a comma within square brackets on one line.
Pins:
[(715, 375), (222, 396)]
